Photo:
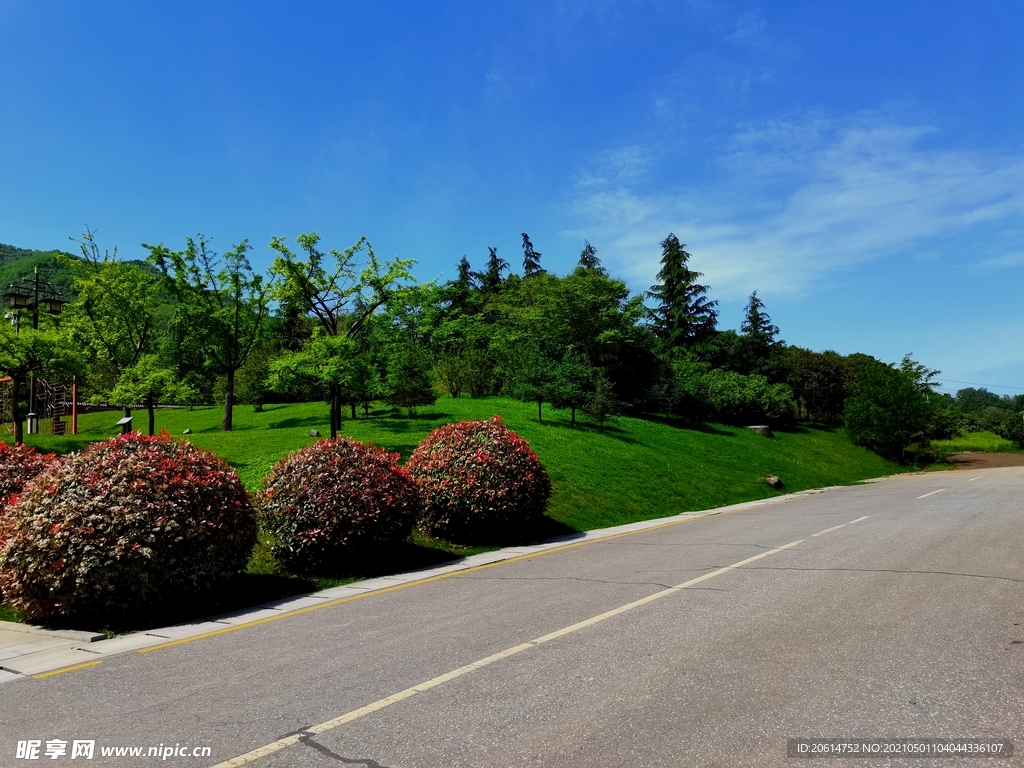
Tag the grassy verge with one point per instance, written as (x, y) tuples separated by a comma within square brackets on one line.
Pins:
[(976, 441), (636, 469)]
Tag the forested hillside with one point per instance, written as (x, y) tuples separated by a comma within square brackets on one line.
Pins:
[(17, 263), (350, 329)]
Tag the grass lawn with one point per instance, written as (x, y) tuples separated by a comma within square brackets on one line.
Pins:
[(636, 469), (976, 441)]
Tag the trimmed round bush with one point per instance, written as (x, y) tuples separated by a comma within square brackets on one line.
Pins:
[(480, 481), (123, 527), (334, 499)]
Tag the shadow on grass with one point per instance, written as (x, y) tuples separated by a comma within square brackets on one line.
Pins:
[(609, 429), (305, 421), (400, 423), (820, 426), (792, 429), (680, 423)]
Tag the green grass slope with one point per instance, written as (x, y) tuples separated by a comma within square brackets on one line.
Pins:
[(636, 469)]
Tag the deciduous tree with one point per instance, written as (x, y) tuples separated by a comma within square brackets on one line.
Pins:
[(342, 290), (223, 304)]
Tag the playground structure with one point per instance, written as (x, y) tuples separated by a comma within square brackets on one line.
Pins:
[(51, 408)]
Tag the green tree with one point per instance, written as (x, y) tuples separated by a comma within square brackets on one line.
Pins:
[(971, 400), (490, 279), (222, 304), (821, 382), (251, 380), (589, 260), (114, 312), (888, 412), (573, 385), (30, 353), (148, 382), (759, 343), (531, 258), (602, 404), (536, 380), (683, 316), (409, 381), (1011, 427), (342, 293)]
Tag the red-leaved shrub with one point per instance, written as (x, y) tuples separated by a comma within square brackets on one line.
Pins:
[(480, 481), (18, 465), (328, 500), (124, 526)]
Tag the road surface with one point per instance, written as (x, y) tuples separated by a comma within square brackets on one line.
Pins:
[(893, 609)]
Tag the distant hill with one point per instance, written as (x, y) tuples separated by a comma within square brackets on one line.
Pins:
[(17, 263)]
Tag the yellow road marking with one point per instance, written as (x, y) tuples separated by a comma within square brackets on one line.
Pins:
[(355, 714), (62, 670), (385, 590)]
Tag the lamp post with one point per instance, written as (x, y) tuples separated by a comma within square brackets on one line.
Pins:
[(29, 293)]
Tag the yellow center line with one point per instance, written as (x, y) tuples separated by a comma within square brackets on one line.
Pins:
[(427, 580), (355, 714)]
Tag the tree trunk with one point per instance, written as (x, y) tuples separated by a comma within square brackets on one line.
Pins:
[(229, 402), (572, 408), (334, 406), (19, 428), (151, 407), (126, 411), (353, 404), (539, 415)]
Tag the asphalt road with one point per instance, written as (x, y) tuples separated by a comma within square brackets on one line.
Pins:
[(894, 609)]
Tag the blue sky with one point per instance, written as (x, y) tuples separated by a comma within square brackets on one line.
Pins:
[(860, 165)]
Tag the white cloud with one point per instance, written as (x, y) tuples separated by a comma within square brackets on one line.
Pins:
[(1003, 261), (801, 199)]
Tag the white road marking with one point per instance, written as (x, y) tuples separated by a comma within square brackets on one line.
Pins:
[(975, 478), (355, 714), (931, 494), (837, 527)]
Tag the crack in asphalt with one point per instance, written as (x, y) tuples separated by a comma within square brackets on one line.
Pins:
[(887, 570), (305, 737)]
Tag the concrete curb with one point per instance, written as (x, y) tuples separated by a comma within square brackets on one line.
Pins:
[(74, 635), (101, 647)]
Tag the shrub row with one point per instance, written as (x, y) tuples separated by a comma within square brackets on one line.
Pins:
[(127, 523), (468, 482)]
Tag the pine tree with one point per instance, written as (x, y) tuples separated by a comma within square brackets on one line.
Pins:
[(531, 258), (758, 343), (684, 316), (589, 260), (757, 325), (490, 278), (459, 289)]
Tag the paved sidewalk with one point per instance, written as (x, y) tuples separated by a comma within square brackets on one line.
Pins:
[(27, 651)]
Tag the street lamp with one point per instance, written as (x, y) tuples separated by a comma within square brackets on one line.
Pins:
[(25, 294)]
